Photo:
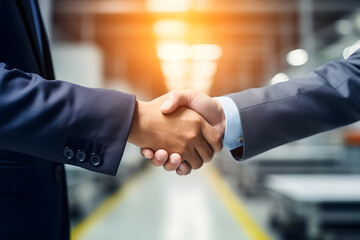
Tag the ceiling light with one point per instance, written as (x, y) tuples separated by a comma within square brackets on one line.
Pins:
[(280, 77), (343, 27), (350, 50), (297, 57)]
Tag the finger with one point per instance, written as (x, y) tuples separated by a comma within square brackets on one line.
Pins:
[(147, 153), (212, 137), (161, 156), (194, 159), (183, 169), (173, 163), (204, 149), (176, 99)]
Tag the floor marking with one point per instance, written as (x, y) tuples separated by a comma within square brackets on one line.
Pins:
[(79, 231), (235, 206)]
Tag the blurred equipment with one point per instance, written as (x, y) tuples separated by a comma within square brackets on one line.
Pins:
[(291, 159), (316, 207)]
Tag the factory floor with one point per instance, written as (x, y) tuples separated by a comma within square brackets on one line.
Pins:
[(158, 205)]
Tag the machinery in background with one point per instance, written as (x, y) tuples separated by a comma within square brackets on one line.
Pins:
[(316, 207)]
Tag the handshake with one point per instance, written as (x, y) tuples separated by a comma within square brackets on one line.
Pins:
[(180, 130)]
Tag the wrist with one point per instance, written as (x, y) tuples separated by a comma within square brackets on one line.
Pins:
[(137, 124), (233, 127), (222, 124)]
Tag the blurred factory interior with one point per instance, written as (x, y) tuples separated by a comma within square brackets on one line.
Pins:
[(308, 189)]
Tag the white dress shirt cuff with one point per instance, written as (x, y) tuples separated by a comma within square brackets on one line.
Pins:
[(233, 130)]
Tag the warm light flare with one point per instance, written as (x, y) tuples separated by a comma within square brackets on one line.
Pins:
[(184, 65), (196, 75), (172, 51), (174, 69), (202, 73), (170, 28), (181, 51), (205, 52), (169, 5), (203, 69)]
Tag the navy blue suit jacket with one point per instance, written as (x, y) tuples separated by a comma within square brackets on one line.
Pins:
[(44, 124), (327, 98)]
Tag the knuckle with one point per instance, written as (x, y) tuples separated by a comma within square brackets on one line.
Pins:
[(197, 165), (221, 145), (190, 136), (218, 138), (174, 93), (218, 142), (193, 136), (197, 120), (209, 156), (182, 150)]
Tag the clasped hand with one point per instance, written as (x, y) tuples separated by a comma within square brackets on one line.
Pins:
[(180, 130)]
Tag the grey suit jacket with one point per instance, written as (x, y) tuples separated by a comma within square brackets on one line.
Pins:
[(327, 98)]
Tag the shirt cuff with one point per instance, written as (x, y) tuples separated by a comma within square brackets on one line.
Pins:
[(233, 131)]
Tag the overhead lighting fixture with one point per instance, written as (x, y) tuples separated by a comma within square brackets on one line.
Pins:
[(203, 69), (188, 66), (174, 69), (170, 28), (280, 77), (172, 51), (169, 5), (168, 51), (357, 21), (206, 52), (297, 57), (350, 50), (343, 27)]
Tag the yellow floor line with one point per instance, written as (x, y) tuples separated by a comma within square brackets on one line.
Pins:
[(80, 230), (235, 206)]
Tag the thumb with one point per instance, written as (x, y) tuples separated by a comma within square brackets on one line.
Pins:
[(170, 104)]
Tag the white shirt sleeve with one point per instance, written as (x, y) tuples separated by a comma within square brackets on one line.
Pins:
[(233, 131)]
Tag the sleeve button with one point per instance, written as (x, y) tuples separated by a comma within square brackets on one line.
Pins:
[(80, 155), (68, 153), (95, 159)]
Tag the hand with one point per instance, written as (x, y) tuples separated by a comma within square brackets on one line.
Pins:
[(183, 131), (209, 108)]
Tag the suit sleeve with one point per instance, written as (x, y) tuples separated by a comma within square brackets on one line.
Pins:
[(54, 120), (327, 98)]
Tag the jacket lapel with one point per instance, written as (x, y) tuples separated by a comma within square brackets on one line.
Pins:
[(42, 57)]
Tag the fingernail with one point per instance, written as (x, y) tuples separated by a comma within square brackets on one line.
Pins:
[(174, 161), (182, 168), (147, 155), (165, 105), (160, 157)]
